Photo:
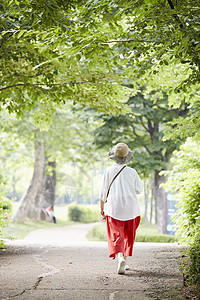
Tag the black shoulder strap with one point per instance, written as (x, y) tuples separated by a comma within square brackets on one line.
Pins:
[(113, 180)]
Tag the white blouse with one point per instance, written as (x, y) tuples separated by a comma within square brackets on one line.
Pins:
[(122, 203)]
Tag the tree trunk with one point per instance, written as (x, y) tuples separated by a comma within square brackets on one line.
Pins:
[(49, 188), (155, 204), (160, 197), (30, 202), (14, 193), (146, 196), (152, 201)]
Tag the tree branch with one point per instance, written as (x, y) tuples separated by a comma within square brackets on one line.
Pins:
[(162, 4), (11, 86), (176, 17), (147, 149), (1, 42), (134, 131), (170, 4), (151, 130), (128, 41), (144, 124), (42, 87)]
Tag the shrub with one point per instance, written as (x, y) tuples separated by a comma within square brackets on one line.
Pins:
[(157, 238), (194, 270), (184, 179), (83, 213), (75, 214), (98, 233), (5, 208)]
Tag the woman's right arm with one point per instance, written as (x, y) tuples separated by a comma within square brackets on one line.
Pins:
[(103, 192)]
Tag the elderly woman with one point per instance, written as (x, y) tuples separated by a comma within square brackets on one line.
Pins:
[(119, 205)]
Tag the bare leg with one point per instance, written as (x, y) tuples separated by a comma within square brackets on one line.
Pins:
[(126, 266), (121, 263)]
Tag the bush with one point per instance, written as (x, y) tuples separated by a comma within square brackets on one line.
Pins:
[(194, 270), (83, 213), (5, 208), (184, 180), (158, 238), (98, 233)]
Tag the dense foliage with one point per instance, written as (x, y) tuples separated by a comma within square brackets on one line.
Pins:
[(83, 213), (83, 51), (38, 70), (5, 208), (184, 180), (142, 129), (194, 270), (151, 42)]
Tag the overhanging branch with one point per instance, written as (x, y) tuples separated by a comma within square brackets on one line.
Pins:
[(46, 88), (11, 86), (129, 41)]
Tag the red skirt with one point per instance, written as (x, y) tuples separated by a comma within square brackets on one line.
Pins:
[(121, 235)]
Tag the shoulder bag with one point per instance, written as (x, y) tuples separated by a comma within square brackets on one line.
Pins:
[(112, 183)]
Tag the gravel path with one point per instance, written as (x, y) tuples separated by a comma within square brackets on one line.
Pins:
[(61, 263)]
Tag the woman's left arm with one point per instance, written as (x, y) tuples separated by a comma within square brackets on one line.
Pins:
[(102, 208), (138, 184)]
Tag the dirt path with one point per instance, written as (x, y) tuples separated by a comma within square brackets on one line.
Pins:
[(62, 264)]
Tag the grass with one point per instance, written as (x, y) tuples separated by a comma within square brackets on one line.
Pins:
[(16, 230), (145, 233)]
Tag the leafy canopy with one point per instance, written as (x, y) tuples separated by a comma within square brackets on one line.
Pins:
[(55, 50), (37, 67), (142, 129)]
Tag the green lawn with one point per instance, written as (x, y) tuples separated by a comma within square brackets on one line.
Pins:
[(18, 230)]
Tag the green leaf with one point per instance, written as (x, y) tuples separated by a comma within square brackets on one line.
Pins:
[(21, 33)]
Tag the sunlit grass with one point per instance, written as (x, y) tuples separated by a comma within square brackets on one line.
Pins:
[(17, 230)]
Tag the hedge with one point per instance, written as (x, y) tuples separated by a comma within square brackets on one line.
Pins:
[(5, 208), (83, 213), (98, 233)]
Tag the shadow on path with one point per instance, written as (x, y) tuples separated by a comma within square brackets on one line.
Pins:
[(61, 263)]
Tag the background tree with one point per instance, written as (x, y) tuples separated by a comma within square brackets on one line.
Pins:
[(66, 140), (143, 129)]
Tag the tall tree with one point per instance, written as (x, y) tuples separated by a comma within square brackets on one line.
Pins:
[(30, 205), (66, 140), (142, 129)]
